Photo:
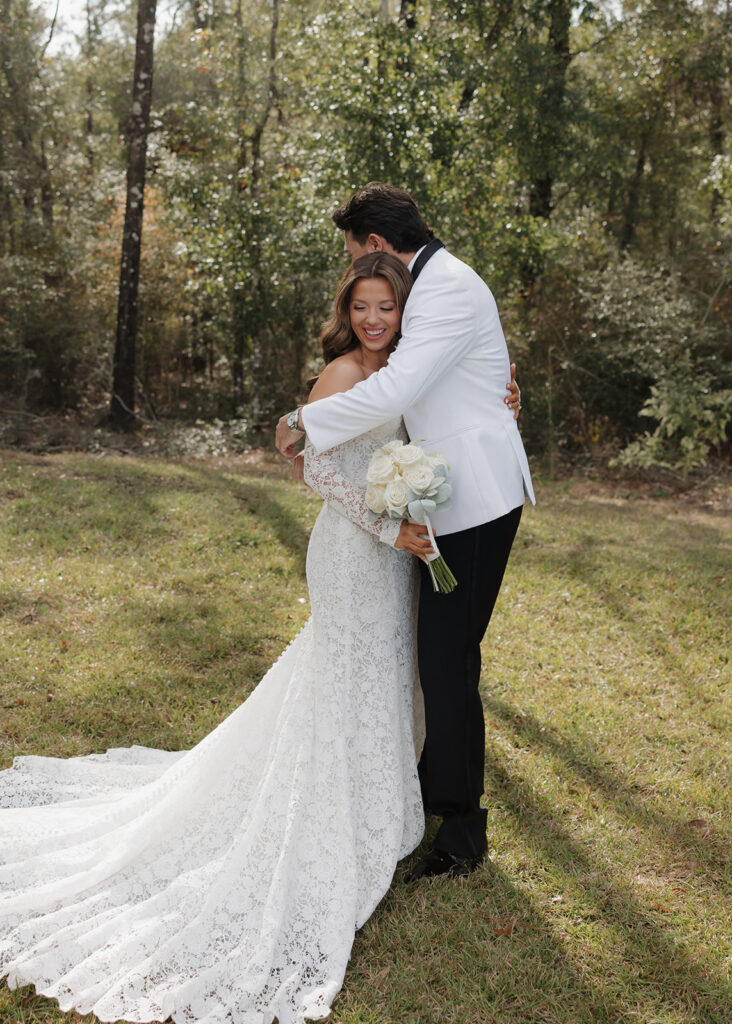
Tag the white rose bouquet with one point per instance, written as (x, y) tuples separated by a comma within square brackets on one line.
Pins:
[(404, 482)]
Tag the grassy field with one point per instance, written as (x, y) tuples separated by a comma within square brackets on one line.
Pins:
[(140, 600)]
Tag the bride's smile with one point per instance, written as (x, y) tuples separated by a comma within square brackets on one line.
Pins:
[(375, 317)]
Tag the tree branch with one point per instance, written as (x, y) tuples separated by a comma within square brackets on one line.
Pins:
[(272, 95), (50, 31)]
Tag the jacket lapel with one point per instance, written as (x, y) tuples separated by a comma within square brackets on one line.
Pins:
[(427, 253)]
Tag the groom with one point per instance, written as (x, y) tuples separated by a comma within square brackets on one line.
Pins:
[(446, 378)]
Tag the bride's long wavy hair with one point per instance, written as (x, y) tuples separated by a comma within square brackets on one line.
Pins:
[(336, 335)]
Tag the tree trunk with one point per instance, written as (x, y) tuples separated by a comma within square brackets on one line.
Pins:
[(245, 326), (550, 107), (92, 35), (408, 14), (46, 193), (716, 138), (122, 407), (407, 20), (199, 10), (632, 205)]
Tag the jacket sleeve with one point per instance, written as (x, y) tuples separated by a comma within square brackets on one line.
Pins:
[(322, 473), (439, 333)]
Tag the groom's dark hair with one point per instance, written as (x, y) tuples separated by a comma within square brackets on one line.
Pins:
[(384, 210)]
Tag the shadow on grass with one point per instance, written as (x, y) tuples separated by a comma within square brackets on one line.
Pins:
[(619, 961), (443, 935), (20, 605), (581, 759), (121, 505), (479, 950), (452, 966), (199, 645), (257, 500), (662, 577), (23, 1006), (649, 951)]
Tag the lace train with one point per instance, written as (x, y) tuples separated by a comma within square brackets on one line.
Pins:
[(223, 884)]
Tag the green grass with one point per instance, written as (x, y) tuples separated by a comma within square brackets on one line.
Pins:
[(141, 600)]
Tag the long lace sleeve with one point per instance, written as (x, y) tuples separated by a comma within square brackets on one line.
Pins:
[(323, 473)]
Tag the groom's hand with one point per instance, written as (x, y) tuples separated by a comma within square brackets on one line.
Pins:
[(298, 468), (513, 401), (413, 538), (286, 438)]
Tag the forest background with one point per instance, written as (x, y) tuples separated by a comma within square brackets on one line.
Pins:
[(575, 153)]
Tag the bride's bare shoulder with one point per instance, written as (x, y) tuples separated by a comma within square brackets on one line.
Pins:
[(339, 375)]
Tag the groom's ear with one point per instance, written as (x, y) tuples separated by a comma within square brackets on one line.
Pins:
[(377, 243)]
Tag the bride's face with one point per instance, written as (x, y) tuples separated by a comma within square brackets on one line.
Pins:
[(374, 314)]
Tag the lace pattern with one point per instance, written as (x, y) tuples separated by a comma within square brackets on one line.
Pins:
[(324, 473), (223, 885)]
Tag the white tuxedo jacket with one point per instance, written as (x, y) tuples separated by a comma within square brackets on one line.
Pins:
[(447, 378)]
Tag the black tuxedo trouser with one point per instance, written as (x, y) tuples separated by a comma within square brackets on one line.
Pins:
[(451, 627)]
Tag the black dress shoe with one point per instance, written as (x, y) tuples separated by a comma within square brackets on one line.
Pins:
[(437, 862)]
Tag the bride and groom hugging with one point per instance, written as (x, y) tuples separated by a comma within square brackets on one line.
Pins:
[(224, 884), (446, 378)]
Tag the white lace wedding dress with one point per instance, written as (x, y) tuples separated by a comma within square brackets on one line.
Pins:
[(223, 885)]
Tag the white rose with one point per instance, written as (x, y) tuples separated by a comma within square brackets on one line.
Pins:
[(392, 446), (408, 454), (375, 498), (418, 477), (435, 459), (395, 495), (381, 469)]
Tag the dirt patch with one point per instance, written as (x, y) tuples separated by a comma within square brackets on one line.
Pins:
[(712, 493)]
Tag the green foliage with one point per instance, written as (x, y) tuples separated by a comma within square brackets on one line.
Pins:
[(57, 194), (576, 155), (691, 415), (597, 334)]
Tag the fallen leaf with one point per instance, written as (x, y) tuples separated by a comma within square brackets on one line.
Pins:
[(504, 929), (697, 823)]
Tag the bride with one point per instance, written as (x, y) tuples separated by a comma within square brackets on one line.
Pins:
[(225, 883)]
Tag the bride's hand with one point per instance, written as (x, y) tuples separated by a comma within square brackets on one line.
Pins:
[(513, 401), (413, 538)]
